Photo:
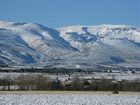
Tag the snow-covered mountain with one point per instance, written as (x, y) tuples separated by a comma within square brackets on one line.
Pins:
[(72, 46)]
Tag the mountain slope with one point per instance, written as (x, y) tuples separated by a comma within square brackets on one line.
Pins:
[(73, 46)]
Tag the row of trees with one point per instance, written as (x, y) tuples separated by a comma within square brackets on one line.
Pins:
[(42, 82)]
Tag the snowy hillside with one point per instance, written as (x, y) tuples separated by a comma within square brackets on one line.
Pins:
[(73, 46)]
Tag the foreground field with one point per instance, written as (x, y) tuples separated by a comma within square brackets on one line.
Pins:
[(68, 98)]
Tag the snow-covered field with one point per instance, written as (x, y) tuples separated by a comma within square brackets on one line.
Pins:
[(63, 77), (69, 99)]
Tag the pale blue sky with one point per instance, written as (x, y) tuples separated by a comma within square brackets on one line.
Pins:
[(58, 13)]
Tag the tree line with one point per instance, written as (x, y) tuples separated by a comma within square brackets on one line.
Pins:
[(42, 82)]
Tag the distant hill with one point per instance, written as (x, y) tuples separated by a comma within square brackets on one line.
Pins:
[(68, 47)]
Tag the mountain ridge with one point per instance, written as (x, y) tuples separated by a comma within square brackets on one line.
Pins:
[(86, 46)]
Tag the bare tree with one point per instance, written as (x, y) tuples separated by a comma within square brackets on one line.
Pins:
[(42, 82), (77, 83)]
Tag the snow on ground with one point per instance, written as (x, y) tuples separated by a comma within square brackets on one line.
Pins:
[(63, 77), (69, 99)]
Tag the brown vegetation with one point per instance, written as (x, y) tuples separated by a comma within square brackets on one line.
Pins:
[(41, 82)]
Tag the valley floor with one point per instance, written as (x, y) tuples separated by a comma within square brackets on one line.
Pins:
[(63, 77), (68, 98)]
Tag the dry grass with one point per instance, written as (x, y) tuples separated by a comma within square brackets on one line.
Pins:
[(69, 92)]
